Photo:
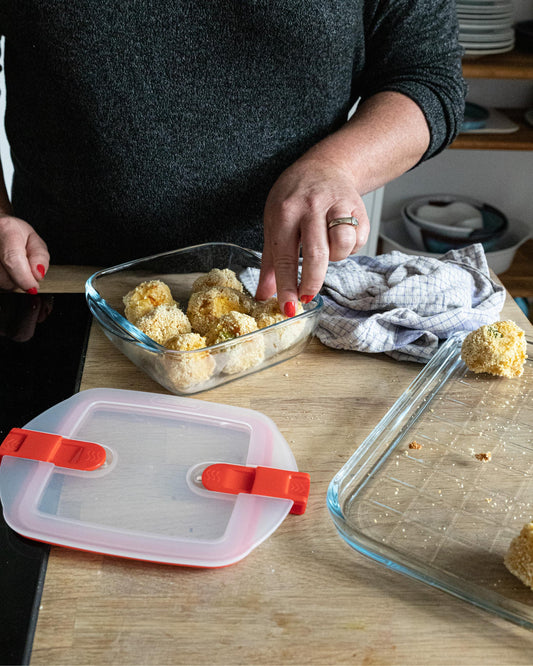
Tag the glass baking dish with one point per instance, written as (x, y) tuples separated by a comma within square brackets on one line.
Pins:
[(445, 481), (187, 372)]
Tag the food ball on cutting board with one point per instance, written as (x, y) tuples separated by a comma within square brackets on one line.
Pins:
[(497, 349), (519, 557)]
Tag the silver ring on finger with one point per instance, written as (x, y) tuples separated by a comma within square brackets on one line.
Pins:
[(352, 221)]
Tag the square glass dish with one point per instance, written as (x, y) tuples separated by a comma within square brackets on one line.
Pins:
[(187, 372), (445, 481)]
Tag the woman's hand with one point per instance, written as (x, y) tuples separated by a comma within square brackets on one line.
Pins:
[(306, 197), (387, 135), (24, 257)]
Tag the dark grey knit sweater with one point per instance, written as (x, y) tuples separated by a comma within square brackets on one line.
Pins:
[(138, 126)]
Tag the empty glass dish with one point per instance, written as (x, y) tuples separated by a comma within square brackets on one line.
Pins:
[(444, 483)]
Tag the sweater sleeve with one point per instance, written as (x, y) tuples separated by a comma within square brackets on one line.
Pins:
[(412, 48)]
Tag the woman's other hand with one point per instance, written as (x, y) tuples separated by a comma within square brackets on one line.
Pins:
[(24, 257)]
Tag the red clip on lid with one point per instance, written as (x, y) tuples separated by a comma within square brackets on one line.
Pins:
[(46, 447), (265, 481)]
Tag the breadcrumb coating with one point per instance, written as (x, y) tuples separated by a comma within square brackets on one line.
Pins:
[(187, 370), (218, 277), (186, 342), (246, 353), (519, 557), (268, 312), (164, 322), (497, 349), (145, 297), (206, 307), (230, 325)]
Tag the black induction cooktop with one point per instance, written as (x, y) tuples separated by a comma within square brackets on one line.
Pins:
[(43, 340)]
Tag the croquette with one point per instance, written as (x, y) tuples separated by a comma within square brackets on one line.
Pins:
[(230, 325), (186, 342), (218, 277), (219, 310), (244, 355), (145, 297), (519, 557), (267, 313), (206, 307), (187, 370), (497, 349), (164, 322)]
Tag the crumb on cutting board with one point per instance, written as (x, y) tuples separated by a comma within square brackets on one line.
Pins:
[(415, 445), (484, 457)]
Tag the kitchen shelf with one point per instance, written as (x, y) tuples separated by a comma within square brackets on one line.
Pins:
[(522, 139), (511, 65), (517, 65)]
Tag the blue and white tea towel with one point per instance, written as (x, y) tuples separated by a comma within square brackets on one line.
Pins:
[(404, 305)]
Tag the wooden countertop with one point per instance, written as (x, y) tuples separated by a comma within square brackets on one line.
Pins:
[(303, 596)]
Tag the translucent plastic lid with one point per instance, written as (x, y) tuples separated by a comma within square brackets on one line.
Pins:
[(148, 500)]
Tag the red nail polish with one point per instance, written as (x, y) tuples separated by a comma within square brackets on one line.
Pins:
[(40, 268), (289, 309), (306, 299), (32, 291)]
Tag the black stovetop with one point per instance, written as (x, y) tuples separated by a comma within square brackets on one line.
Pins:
[(43, 341)]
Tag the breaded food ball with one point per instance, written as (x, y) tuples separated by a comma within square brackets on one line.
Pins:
[(218, 277), (206, 307), (230, 325), (164, 322), (498, 349), (244, 354), (145, 297), (187, 370), (186, 342), (519, 557), (268, 312)]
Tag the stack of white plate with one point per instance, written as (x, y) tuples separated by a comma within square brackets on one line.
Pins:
[(486, 26)]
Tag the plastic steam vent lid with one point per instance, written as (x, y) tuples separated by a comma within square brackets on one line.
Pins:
[(151, 477)]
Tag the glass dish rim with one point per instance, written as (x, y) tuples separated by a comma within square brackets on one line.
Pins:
[(447, 357)]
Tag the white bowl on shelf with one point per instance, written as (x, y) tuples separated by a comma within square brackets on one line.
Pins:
[(394, 236), (441, 222)]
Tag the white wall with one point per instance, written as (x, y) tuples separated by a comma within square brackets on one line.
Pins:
[(4, 146)]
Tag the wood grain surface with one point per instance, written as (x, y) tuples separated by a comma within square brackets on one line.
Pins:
[(301, 597)]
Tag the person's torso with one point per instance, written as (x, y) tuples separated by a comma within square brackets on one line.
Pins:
[(148, 109)]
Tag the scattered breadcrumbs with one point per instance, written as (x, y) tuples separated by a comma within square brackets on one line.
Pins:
[(484, 457), (415, 445)]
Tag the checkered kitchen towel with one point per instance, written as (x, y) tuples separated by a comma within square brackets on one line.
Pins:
[(403, 305)]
